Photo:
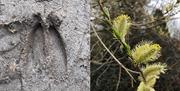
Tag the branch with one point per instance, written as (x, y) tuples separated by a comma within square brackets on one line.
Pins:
[(126, 69)]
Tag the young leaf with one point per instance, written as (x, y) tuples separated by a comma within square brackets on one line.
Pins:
[(106, 10)]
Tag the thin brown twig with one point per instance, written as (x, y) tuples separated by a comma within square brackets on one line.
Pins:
[(97, 82), (107, 61), (126, 69), (100, 67), (119, 79), (93, 46), (102, 9)]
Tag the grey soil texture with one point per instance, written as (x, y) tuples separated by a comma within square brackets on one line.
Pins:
[(33, 57)]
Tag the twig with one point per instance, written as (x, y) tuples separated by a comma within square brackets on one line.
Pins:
[(102, 74), (100, 67), (102, 9), (126, 69), (107, 61), (119, 79), (141, 73)]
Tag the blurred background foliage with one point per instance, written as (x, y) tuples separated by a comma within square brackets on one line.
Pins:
[(106, 74)]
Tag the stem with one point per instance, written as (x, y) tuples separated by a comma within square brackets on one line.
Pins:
[(141, 73), (102, 9), (126, 69)]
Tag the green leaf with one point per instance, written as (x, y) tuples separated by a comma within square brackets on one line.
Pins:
[(106, 10)]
